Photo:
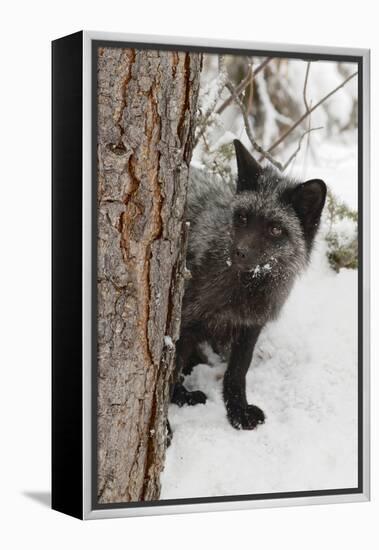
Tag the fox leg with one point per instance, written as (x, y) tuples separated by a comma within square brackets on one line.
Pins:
[(186, 350), (241, 415)]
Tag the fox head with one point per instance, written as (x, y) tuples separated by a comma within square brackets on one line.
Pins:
[(274, 219), (249, 239)]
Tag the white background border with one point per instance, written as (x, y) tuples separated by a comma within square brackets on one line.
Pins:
[(27, 29), (88, 513)]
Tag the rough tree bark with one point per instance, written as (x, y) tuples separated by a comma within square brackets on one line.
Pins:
[(146, 109)]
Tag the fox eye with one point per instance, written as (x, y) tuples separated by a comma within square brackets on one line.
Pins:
[(275, 230), (242, 218)]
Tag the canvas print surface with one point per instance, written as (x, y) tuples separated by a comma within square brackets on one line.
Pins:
[(227, 195)]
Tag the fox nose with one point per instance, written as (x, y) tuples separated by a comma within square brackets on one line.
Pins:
[(242, 256), (241, 252)]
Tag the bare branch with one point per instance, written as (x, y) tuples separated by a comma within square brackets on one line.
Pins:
[(262, 65), (294, 154), (309, 133), (305, 86), (250, 96), (249, 132), (238, 90), (243, 84), (307, 113), (205, 117)]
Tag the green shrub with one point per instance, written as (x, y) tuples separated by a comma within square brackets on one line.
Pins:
[(341, 234)]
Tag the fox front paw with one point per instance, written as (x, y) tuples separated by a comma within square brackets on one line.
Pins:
[(181, 396), (246, 418)]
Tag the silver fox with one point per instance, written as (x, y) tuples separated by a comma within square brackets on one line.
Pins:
[(248, 241)]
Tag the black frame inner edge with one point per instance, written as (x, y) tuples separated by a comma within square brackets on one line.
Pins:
[(95, 44)]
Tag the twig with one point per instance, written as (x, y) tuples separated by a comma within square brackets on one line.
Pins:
[(305, 86), (262, 65), (238, 90), (256, 146), (250, 96), (307, 107), (249, 133), (307, 132), (307, 113), (243, 84), (211, 109)]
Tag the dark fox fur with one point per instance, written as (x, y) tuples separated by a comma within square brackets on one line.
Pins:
[(248, 241)]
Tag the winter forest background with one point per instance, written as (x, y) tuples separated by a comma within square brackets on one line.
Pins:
[(301, 116)]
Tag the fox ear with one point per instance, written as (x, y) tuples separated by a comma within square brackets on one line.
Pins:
[(308, 200), (248, 168)]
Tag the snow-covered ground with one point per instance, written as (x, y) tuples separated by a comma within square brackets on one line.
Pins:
[(304, 370), (304, 377)]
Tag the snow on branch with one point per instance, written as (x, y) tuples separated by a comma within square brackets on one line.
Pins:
[(211, 109), (209, 100)]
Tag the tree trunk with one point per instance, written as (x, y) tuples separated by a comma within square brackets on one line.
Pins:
[(146, 109)]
